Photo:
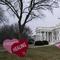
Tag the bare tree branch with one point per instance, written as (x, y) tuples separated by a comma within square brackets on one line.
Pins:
[(21, 9), (2, 3), (11, 7), (3, 18), (40, 2), (30, 10), (30, 19)]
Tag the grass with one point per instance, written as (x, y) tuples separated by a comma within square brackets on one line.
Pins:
[(41, 53)]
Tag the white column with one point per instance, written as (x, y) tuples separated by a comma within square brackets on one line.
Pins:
[(52, 37), (58, 35), (40, 35), (44, 35), (47, 37)]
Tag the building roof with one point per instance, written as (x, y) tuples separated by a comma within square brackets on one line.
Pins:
[(48, 28)]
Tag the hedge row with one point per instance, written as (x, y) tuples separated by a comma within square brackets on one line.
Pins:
[(31, 41), (38, 43)]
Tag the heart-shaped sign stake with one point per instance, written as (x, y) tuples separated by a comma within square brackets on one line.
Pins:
[(18, 47)]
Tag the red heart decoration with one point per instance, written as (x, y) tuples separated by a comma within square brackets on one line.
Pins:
[(57, 45), (20, 48)]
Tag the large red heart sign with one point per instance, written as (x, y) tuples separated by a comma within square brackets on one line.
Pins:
[(20, 48)]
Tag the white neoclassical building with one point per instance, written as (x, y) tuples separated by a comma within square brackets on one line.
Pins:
[(51, 34)]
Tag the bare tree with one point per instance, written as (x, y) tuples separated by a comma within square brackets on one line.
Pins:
[(3, 18), (27, 10)]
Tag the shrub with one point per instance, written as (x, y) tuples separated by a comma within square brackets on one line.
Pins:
[(31, 41), (12, 31), (45, 42), (38, 43)]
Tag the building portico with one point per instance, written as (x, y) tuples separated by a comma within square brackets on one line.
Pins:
[(50, 34)]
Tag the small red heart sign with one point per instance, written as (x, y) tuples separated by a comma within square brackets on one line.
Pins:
[(57, 45), (20, 48), (7, 44)]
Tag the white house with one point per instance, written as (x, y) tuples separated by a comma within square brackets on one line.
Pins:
[(51, 34)]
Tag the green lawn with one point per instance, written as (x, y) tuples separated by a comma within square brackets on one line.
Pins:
[(42, 53)]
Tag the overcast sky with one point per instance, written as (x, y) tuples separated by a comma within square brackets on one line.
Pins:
[(48, 21)]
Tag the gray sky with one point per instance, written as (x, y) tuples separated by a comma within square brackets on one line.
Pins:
[(48, 21)]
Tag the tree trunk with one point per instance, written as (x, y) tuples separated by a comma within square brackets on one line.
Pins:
[(21, 29)]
